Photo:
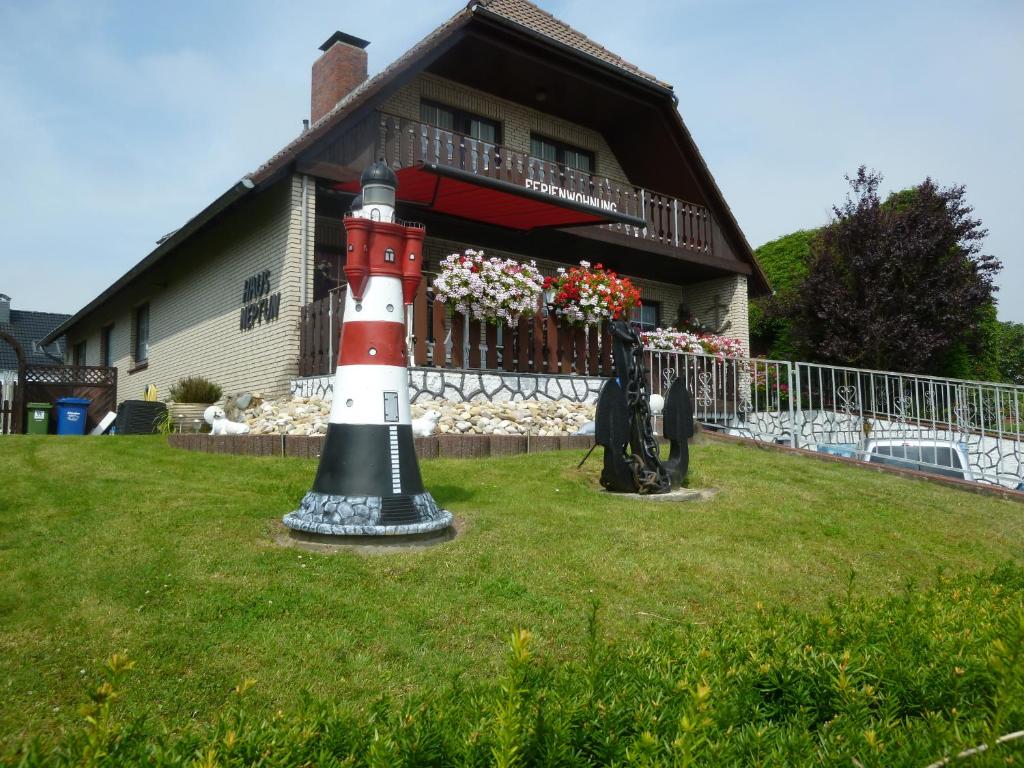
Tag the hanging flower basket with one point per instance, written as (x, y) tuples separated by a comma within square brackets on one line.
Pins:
[(586, 296), (490, 289)]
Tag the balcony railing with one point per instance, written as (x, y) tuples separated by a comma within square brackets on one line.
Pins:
[(441, 338), (671, 222)]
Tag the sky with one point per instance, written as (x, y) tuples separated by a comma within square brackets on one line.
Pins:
[(121, 120)]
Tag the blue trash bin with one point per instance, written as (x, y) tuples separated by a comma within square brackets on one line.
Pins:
[(71, 413)]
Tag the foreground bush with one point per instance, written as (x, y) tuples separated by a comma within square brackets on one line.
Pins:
[(904, 681)]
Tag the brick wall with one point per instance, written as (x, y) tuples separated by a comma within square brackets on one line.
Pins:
[(517, 120), (194, 304), (340, 69), (731, 293)]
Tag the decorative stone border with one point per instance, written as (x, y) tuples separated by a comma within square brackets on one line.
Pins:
[(461, 385), (434, 447), (360, 516)]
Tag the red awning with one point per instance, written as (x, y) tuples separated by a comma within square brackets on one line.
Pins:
[(466, 195)]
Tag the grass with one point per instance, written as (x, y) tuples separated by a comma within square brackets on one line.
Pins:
[(125, 544)]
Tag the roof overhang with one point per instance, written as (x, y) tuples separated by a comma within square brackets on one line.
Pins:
[(532, 205), (164, 247)]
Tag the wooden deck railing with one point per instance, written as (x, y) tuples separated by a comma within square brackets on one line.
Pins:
[(403, 142), (443, 339)]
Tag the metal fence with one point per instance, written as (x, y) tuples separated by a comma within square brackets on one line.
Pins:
[(970, 429), (750, 397)]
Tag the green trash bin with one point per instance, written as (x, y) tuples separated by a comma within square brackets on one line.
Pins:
[(38, 418)]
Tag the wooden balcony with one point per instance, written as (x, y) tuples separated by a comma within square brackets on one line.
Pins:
[(542, 344), (674, 225)]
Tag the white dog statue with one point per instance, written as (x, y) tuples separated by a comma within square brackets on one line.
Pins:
[(219, 423), (425, 425)]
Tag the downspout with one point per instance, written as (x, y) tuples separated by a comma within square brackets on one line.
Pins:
[(304, 259)]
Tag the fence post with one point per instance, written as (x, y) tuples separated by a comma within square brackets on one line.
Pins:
[(793, 391)]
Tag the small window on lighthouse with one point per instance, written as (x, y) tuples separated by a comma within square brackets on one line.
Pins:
[(389, 255), (390, 406), (412, 257)]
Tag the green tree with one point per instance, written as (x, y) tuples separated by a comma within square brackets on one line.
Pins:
[(1011, 352), (784, 261), (900, 285)]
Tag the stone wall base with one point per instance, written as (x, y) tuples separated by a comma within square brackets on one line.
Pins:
[(461, 385)]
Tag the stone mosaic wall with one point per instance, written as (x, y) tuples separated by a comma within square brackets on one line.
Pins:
[(465, 385)]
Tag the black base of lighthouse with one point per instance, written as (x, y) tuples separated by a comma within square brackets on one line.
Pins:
[(368, 484)]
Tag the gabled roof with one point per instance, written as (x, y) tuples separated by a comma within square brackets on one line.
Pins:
[(29, 329), (528, 15), (519, 15)]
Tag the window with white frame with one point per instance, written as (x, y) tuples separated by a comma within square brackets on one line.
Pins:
[(645, 317), (452, 119)]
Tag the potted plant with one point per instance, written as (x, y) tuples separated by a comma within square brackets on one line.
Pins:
[(586, 296), (190, 397)]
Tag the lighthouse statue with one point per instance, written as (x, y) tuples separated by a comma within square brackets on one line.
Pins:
[(368, 483)]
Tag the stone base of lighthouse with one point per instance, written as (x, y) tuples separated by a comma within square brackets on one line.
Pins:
[(368, 484)]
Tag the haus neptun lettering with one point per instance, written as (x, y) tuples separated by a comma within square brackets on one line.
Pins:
[(258, 304)]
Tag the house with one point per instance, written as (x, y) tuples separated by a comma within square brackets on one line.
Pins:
[(509, 131), (28, 330)]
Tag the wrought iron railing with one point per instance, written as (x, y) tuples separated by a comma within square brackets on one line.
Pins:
[(857, 412)]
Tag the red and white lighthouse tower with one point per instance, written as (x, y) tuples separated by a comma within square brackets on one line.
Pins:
[(368, 482)]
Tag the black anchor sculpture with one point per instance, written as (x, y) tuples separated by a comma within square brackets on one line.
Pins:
[(624, 420)]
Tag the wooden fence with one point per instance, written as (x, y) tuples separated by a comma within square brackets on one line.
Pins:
[(320, 329), (543, 343), (46, 383)]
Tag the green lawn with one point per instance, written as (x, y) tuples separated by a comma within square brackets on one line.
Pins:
[(124, 544)]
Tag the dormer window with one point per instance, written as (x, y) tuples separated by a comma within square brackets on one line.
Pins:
[(466, 123), (561, 153)]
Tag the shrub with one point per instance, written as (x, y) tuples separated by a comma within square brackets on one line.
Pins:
[(901, 681), (195, 389), (784, 261)]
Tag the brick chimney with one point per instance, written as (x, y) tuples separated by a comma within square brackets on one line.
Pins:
[(341, 68)]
